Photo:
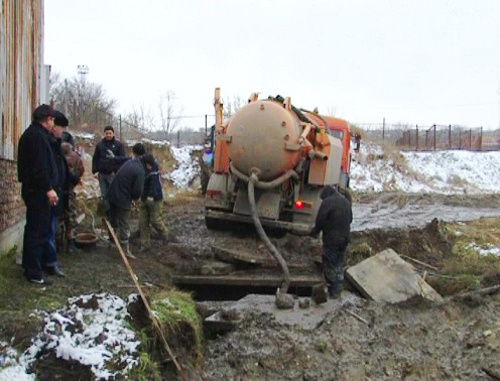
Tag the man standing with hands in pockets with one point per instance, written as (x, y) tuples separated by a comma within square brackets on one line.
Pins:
[(37, 172)]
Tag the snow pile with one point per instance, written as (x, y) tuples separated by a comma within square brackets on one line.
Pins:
[(187, 169), (10, 369), (91, 331), (485, 250), (444, 172)]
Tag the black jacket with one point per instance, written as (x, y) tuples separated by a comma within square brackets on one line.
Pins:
[(334, 218), (105, 163), (152, 185), (36, 167), (127, 184)]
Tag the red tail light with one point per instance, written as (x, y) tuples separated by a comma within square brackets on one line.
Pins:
[(215, 194), (299, 204)]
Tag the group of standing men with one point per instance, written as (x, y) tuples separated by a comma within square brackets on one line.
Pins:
[(48, 173), (123, 180), (49, 169)]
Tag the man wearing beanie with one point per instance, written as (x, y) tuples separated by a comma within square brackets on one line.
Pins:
[(37, 172), (127, 185)]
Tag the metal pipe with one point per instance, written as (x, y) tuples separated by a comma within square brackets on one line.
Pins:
[(262, 184), (318, 155)]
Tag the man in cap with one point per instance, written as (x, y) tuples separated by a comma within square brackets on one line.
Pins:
[(37, 172), (151, 205), (61, 186), (127, 185), (334, 219)]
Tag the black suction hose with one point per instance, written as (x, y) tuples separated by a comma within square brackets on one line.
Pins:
[(263, 236)]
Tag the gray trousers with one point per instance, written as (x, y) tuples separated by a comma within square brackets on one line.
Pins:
[(104, 184)]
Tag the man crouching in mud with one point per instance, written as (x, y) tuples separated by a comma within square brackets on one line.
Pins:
[(334, 219)]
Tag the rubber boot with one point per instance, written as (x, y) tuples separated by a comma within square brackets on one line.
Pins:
[(126, 248)]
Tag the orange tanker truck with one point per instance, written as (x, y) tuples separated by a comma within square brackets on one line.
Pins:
[(271, 161)]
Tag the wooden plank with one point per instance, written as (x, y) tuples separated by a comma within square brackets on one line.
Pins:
[(255, 280)]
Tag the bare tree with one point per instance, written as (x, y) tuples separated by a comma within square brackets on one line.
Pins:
[(169, 113), (83, 102), (233, 104), (331, 110)]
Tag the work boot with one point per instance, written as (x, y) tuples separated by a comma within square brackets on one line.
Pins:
[(55, 270), (72, 246), (334, 292), (126, 249)]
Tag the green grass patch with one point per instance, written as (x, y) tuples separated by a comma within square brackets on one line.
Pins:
[(181, 324), (467, 269)]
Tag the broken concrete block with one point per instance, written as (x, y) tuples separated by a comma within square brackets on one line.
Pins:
[(386, 277)]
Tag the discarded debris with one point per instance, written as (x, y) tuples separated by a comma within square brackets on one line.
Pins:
[(386, 277), (319, 294)]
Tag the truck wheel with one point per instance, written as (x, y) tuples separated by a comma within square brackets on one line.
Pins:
[(212, 223)]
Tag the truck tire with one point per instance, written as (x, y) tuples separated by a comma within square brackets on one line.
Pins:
[(212, 223)]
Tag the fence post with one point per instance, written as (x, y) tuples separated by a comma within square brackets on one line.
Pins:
[(416, 134), (481, 140), (383, 129), (120, 121), (206, 125), (470, 139), (460, 139), (426, 139), (178, 139), (434, 137), (449, 136)]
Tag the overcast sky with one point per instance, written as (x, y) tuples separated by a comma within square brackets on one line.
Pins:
[(417, 62)]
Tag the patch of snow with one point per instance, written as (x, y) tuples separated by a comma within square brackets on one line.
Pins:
[(441, 172), (484, 250), (84, 135), (187, 169), (87, 335)]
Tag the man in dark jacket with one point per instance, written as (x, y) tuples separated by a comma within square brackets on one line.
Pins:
[(334, 219), (61, 186), (127, 185), (105, 163), (37, 172), (151, 203)]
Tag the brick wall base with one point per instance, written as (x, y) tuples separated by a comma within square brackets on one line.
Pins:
[(12, 210)]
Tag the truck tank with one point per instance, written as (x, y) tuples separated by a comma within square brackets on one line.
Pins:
[(289, 153), (260, 133)]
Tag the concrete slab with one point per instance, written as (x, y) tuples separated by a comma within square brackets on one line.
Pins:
[(306, 318), (386, 277)]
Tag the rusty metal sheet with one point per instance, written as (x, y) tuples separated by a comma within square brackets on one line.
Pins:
[(21, 62)]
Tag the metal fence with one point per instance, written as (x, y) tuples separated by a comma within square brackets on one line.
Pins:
[(435, 137)]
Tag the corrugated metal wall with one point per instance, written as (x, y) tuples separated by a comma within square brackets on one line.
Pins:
[(21, 64)]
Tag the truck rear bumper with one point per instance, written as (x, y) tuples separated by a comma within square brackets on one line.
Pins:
[(293, 227)]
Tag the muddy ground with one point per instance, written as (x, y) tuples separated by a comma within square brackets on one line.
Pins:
[(415, 340)]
